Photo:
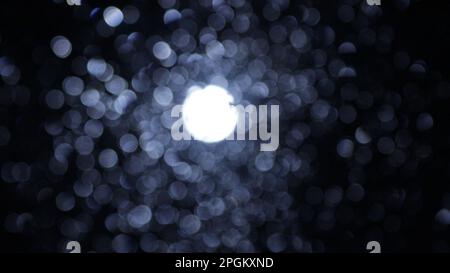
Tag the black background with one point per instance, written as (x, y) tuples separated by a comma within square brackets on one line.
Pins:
[(423, 31)]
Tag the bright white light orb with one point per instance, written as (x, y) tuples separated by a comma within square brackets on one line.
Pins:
[(208, 114)]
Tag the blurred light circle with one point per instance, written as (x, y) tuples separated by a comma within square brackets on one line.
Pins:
[(171, 15), (73, 85), (128, 143), (54, 99), (345, 148), (163, 95), (139, 216), (424, 122), (177, 190), (190, 224), (276, 242), (131, 14), (65, 201), (264, 161), (108, 158), (208, 114), (61, 46), (112, 16), (161, 50)]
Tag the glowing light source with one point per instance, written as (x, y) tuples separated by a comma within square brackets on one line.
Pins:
[(208, 114)]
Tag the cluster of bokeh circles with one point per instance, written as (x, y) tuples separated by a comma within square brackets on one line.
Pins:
[(115, 180)]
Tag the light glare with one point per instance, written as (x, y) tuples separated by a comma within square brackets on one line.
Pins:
[(208, 114)]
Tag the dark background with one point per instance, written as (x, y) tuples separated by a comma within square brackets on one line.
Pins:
[(423, 30)]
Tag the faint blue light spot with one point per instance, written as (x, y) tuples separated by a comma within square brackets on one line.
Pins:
[(112, 16)]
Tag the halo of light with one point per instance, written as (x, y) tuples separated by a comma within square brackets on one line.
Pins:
[(208, 114)]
